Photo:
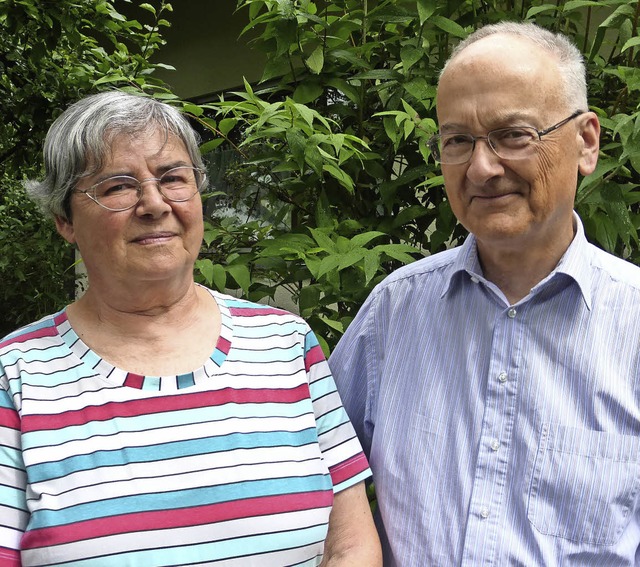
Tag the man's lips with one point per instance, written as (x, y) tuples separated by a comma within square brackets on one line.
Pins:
[(153, 237), (488, 197)]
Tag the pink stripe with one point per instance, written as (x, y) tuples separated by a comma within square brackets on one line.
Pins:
[(9, 418), (349, 468), (312, 357), (253, 311), (203, 515), (223, 345), (9, 557), (37, 334), (161, 405), (134, 380)]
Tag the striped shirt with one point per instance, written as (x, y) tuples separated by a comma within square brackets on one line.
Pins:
[(501, 434), (233, 464)]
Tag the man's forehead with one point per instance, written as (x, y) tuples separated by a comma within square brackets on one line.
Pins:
[(501, 54)]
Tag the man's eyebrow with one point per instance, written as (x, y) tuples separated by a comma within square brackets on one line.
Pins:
[(453, 128), (509, 120)]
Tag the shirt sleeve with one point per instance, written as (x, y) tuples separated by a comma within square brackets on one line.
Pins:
[(339, 444), (354, 367), (13, 505)]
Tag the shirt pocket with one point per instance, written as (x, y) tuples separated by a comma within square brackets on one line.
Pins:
[(584, 484)]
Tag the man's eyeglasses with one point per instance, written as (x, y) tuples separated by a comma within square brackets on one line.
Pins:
[(507, 143), (123, 192)]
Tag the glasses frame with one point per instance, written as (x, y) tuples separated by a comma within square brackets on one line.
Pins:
[(90, 191), (433, 141)]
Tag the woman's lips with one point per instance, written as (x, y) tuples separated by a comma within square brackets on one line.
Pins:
[(153, 238)]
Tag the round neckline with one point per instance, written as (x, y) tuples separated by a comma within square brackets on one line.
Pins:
[(119, 377)]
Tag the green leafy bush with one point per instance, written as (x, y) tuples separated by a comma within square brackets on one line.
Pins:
[(51, 54), (333, 143)]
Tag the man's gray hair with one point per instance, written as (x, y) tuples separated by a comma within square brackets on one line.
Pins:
[(570, 59), (79, 141)]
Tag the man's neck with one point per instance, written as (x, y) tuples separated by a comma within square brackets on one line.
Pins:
[(516, 270)]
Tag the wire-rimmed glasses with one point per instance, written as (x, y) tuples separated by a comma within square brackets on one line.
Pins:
[(122, 192), (517, 142)]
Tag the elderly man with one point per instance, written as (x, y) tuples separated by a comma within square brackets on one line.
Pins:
[(495, 386)]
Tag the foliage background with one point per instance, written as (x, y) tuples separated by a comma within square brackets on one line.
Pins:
[(322, 168)]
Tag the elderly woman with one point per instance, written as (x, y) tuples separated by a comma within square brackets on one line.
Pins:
[(154, 421)]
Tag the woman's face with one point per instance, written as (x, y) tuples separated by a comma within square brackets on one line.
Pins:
[(157, 240)]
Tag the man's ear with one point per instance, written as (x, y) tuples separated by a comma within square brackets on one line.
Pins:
[(65, 229), (589, 135)]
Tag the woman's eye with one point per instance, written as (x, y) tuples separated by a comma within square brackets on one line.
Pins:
[(116, 186)]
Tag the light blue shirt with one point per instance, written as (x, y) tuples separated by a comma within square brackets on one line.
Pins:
[(497, 434)]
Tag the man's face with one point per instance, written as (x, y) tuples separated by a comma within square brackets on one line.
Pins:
[(498, 82)]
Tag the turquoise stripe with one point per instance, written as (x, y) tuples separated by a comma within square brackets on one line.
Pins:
[(310, 341), (175, 500), (185, 380), (322, 387), (13, 498), (154, 453), (5, 399), (218, 357), (332, 419), (150, 422), (364, 475)]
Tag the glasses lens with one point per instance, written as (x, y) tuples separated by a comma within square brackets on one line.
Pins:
[(454, 148), (513, 143), (117, 193), (180, 183)]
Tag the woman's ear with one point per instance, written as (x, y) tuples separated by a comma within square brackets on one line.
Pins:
[(65, 229), (590, 143)]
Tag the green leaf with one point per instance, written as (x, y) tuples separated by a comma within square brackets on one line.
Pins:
[(315, 62), (323, 240), (307, 92), (364, 238), (336, 325), (410, 55), (449, 26), (240, 273), (371, 265), (535, 10), (426, 9), (328, 264), (579, 4)]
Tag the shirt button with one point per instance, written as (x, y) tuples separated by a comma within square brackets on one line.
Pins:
[(495, 445), (512, 313), (502, 377), (474, 279), (484, 512)]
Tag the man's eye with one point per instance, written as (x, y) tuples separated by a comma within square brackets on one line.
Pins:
[(456, 140), (513, 135)]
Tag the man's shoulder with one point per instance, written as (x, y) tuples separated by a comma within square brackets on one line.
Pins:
[(436, 265), (614, 269)]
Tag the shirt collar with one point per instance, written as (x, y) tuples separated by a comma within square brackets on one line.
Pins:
[(575, 263)]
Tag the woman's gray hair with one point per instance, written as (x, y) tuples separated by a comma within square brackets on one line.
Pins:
[(570, 59), (79, 141)]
